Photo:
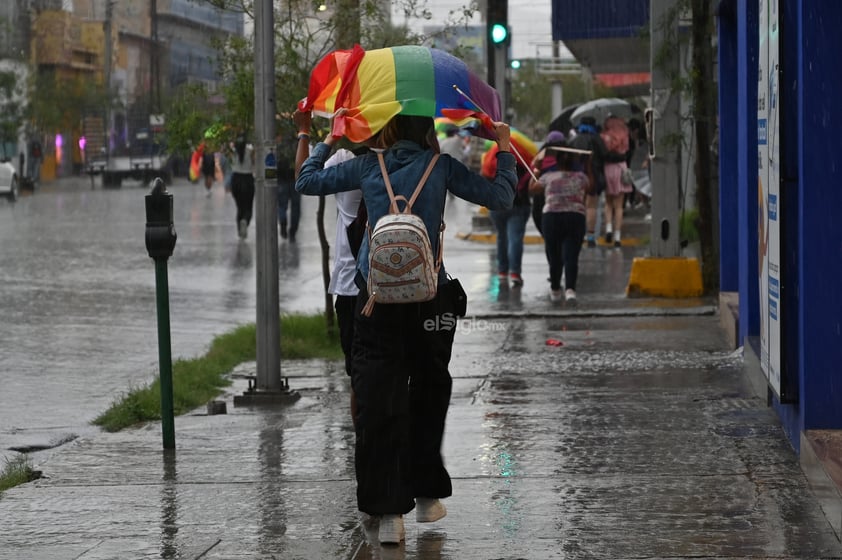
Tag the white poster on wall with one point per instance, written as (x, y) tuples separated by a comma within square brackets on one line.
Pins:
[(768, 189)]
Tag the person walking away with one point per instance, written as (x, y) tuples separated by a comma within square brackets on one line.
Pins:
[(511, 227), (565, 187), (34, 161), (615, 135), (208, 167), (401, 351), (242, 183), (544, 159), (289, 200), (639, 164), (225, 154)]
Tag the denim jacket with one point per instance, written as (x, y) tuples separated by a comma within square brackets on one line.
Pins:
[(406, 162)]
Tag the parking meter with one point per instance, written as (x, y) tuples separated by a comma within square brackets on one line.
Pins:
[(160, 230), (160, 241)]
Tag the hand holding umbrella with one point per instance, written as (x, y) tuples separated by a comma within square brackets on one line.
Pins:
[(503, 134)]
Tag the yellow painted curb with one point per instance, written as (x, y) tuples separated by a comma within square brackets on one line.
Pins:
[(677, 277), (492, 238)]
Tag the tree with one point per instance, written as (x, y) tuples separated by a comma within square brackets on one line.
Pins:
[(11, 112), (531, 97), (186, 120), (703, 92)]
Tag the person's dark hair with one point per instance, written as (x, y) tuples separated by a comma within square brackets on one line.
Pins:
[(420, 130), (240, 146)]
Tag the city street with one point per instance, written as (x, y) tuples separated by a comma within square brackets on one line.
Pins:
[(78, 297), (612, 428)]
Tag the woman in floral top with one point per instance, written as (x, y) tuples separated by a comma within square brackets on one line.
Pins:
[(564, 186)]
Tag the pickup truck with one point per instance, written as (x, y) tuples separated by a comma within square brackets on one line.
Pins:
[(115, 169), (143, 161)]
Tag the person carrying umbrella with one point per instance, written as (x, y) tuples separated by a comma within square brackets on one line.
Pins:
[(401, 351), (588, 138)]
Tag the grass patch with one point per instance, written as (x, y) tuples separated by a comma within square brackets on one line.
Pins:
[(199, 380), (15, 472)]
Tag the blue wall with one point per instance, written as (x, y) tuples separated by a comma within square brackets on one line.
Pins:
[(820, 202), (811, 196), (746, 154), (728, 117)]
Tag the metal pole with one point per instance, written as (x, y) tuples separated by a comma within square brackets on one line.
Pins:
[(266, 199), (162, 295), (665, 127), (500, 78), (556, 98)]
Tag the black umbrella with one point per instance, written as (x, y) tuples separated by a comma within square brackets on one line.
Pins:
[(562, 122)]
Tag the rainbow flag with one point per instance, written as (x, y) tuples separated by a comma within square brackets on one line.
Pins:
[(378, 84)]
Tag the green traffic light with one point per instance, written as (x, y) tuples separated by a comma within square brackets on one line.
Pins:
[(515, 64), (499, 33)]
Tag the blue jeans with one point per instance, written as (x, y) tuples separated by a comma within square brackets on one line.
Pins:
[(510, 226), (563, 236), (286, 195)]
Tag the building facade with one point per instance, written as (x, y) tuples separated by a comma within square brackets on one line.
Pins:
[(779, 198)]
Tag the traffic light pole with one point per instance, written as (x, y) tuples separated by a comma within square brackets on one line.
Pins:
[(500, 56)]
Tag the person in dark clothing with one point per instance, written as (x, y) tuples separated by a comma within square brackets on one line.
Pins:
[(401, 351), (242, 184), (511, 227), (289, 200), (208, 168)]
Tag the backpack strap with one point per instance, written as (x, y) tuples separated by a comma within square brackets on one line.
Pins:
[(393, 206)]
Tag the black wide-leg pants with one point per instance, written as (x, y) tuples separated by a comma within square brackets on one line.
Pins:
[(402, 386)]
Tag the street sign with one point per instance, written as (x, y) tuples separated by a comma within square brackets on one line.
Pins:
[(270, 166)]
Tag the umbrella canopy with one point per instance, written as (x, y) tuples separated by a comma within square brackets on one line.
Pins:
[(520, 142), (601, 109), (378, 84), (562, 122)]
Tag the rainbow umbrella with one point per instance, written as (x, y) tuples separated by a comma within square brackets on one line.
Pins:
[(378, 84), (520, 142)]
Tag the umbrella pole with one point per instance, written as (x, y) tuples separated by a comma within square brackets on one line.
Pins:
[(527, 165)]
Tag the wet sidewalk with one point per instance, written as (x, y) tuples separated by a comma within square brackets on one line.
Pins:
[(614, 428)]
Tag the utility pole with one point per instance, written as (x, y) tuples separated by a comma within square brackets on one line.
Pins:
[(268, 386), (107, 29), (154, 62), (664, 273), (556, 99), (664, 122)]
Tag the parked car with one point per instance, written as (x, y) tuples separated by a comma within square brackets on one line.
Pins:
[(9, 181)]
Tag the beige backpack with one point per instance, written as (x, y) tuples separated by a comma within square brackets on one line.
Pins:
[(401, 266)]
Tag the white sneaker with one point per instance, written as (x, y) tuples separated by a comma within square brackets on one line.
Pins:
[(570, 295), (555, 296), (242, 229), (428, 510), (391, 529)]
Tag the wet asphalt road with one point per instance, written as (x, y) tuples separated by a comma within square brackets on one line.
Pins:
[(77, 288)]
